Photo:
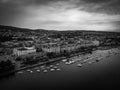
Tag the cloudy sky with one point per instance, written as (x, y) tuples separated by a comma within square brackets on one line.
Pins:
[(101, 15)]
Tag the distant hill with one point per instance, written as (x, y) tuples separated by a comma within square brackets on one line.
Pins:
[(3, 27), (11, 29), (9, 33), (8, 28)]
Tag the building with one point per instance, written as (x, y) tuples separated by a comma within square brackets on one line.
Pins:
[(50, 47), (23, 51), (59, 48), (96, 43)]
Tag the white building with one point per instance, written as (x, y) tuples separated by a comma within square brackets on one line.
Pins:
[(24, 51)]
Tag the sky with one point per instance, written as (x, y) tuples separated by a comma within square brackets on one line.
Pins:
[(98, 15)]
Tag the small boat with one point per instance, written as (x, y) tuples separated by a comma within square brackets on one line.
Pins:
[(47, 67), (79, 59), (90, 62), (57, 64), (31, 71), (97, 60), (42, 66), (55, 67), (64, 60), (85, 61), (72, 61), (20, 72), (93, 62), (58, 69), (28, 70), (45, 71), (51, 65), (38, 70), (67, 63), (79, 65), (52, 69)]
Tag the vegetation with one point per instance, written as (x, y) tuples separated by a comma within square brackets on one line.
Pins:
[(6, 66), (30, 60)]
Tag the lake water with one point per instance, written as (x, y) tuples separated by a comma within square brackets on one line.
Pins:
[(101, 74)]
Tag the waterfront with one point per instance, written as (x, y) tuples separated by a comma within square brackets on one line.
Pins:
[(102, 73)]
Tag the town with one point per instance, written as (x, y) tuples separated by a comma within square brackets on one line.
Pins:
[(21, 48)]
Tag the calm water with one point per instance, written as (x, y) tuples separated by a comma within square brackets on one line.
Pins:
[(100, 74)]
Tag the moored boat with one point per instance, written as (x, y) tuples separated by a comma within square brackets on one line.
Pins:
[(79, 65)]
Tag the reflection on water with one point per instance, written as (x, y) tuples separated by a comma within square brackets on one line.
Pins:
[(62, 75)]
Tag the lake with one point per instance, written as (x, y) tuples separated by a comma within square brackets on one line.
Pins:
[(105, 73)]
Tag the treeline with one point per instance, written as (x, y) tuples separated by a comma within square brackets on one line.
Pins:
[(6, 66), (110, 42), (5, 38), (30, 60)]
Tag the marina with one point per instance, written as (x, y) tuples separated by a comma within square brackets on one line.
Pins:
[(89, 59)]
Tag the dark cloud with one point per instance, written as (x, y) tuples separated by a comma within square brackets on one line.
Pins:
[(10, 14), (28, 2), (102, 6), (112, 8), (14, 11), (97, 1)]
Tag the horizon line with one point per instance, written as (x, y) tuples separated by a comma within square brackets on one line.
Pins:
[(59, 30)]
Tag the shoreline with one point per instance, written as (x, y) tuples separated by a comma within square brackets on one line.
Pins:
[(39, 64), (31, 66)]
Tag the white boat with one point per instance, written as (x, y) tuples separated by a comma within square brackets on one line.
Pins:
[(28, 70), (58, 69), (90, 62), (79, 65), (57, 64), (51, 65), (38, 70), (64, 60), (42, 66), (45, 71), (67, 63), (72, 61), (84, 61), (52, 69), (20, 72), (31, 71)]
